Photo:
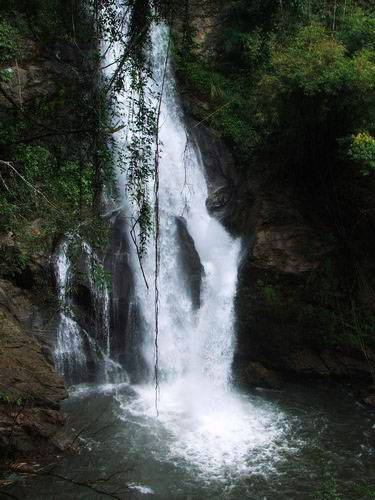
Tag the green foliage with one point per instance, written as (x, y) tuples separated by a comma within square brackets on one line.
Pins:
[(47, 20), (40, 185), (35, 161), (318, 92), (328, 490), (9, 49), (287, 79), (48, 185), (313, 63), (228, 110), (346, 318), (12, 260), (357, 30), (9, 43), (268, 292), (366, 491), (4, 398), (361, 150), (358, 327), (101, 277)]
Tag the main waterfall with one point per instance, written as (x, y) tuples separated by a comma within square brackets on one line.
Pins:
[(195, 340), (209, 425)]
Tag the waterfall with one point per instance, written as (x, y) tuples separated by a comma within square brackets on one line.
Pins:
[(70, 357), (198, 265), (208, 424), (198, 268), (79, 356), (195, 344)]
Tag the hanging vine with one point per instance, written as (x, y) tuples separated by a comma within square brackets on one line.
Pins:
[(157, 230)]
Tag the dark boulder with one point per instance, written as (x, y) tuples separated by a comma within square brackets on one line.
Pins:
[(190, 262), (126, 323), (30, 392), (218, 199)]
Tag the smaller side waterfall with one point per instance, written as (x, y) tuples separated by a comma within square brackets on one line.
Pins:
[(83, 350), (69, 354)]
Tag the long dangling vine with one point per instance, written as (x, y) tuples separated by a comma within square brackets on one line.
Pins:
[(157, 230)]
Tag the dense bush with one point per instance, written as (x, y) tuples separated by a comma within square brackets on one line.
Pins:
[(287, 76)]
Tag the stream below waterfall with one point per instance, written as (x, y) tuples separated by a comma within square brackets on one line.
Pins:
[(268, 445)]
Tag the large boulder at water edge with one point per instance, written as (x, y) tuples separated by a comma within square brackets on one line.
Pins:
[(30, 391)]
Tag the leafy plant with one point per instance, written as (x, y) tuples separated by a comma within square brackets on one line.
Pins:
[(101, 277), (9, 43), (362, 151), (4, 398), (269, 293)]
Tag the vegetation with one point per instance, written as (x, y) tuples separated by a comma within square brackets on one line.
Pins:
[(56, 145), (280, 68), (361, 150), (46, 136)]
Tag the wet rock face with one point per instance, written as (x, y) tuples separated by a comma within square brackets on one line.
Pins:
[(218, 162), (27, 83), (126, 323), (279, 327), (227, 195), (30, 390), (367, 397), (35, 76), (21, 303), (218, 199), (255, 374), (283, 321), (190, 263), (284, 240)]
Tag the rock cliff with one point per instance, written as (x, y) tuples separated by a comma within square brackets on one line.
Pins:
[(30, 388)]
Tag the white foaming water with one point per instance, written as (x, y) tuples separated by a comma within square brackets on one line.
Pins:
[(142, 489), (69, 353), (111, 371), (220, 434), (208, 424), (191, 343)]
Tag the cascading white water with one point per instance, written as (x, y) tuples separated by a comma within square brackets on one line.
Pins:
[(69, 354), (195, 345), (109, 371), (211, 425), (73, 343)]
